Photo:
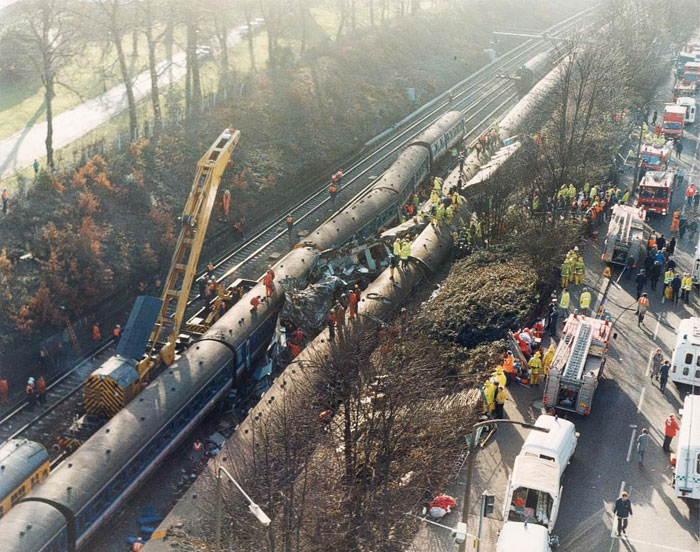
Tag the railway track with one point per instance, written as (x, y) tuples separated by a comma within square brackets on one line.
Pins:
[(482, 97), (478, 93), (63, 398)]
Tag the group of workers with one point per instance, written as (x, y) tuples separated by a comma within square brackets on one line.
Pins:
[(573, 269), (334, 186), (572, 272), (401, 252), (659, 262), (97, 333), (343, 310), (35, 390), (592, 203)]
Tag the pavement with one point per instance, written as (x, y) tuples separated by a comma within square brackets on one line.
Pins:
[(626, 401), (19, 150)]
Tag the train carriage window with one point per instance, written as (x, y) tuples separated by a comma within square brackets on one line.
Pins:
[(697, 374), (686, 370), (697, 361), (35, 479), (689, 358), (697, 463), (18, 495)]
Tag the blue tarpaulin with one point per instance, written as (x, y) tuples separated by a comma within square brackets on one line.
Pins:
[(139, 327)]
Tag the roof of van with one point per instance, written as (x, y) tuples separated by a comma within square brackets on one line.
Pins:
[(674, 109), (558, 429), (535, 473), (521, 537), (690, 422), (689, 327)]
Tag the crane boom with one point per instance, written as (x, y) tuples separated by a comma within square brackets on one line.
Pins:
[(195, 220)]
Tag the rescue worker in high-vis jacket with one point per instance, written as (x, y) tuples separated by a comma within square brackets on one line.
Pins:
[(535, 364)]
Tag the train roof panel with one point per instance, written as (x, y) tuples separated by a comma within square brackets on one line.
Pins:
[(18, 459), (29, 526), (496, 162), (438, 128)]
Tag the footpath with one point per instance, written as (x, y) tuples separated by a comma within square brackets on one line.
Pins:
[(19, 150)]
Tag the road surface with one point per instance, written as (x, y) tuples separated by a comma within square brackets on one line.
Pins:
[(626, 401)]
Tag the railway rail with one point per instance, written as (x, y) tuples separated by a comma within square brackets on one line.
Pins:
[(483, 96), (475, 97)]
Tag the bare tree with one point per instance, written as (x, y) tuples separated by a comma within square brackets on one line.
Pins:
[(47, 28), (149, 9), (193, 85), (302, 12), (115, 23), (273, 11), (248, 11), (342, 9)]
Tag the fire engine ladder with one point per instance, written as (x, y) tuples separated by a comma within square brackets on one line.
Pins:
[(195, 219), (626, 227), (579, 352)]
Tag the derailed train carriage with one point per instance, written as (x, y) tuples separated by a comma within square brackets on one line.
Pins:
[(93, 482)]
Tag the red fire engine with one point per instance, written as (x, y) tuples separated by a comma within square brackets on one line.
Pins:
[(655, 191), (654, 157)]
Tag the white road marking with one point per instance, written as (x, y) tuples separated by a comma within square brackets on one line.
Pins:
[(657, 546), (641, 400), (658, 323), (613, 529), (651, 357), (629, 450)]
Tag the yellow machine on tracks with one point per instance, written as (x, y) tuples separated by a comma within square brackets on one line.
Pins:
[(109, 388)]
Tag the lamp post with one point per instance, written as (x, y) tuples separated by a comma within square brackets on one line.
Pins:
[(637, 160), (470, 464), (252, 506)]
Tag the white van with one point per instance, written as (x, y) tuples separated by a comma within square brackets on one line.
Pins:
[(695, 274), (533, 493), (557, 446), (523, 537), (686, 477), (685, 362), (689, 104)]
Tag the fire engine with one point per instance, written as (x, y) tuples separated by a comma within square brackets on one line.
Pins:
[(674, 119), (655, 157), (655, 191)]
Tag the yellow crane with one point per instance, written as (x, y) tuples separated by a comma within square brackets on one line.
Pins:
[(183, 267), (109, 388)]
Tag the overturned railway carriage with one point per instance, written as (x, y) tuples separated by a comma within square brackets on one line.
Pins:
[(91, 484)]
